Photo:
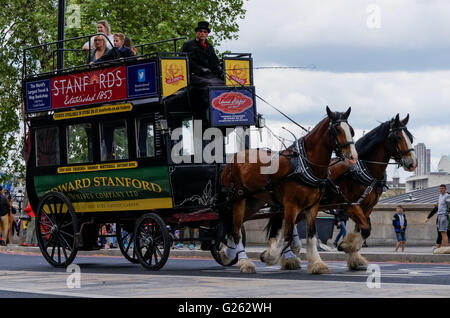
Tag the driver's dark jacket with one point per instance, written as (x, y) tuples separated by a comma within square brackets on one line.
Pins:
[(200, 58)]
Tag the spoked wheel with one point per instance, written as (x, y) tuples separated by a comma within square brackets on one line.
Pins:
[(125, 240), (151, 241), (56, 228), (216, 246)]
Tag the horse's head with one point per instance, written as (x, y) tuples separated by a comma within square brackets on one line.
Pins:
[(342, 134), (400, 143)]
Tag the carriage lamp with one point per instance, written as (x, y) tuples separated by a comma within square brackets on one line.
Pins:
[(261, 121)]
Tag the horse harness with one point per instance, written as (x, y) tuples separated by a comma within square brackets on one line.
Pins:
[(359, 172), (300, 170)]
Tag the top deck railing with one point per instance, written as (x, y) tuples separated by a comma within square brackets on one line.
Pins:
[(43, 56)]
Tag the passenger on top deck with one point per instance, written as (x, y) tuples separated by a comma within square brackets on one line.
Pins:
[(127, 43), (98, 50), (119, 50), (203, 62), (102, 27)]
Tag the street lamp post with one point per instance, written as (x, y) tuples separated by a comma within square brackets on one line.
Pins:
[(61, 22)]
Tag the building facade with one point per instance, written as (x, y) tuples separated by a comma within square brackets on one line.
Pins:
[(423, 159)]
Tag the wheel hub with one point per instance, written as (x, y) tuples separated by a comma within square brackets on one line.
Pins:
[(54, 229), (148, 241)]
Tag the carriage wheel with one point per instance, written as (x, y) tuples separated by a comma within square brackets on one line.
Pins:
[(216, 246), (151, 241), (56, 228), (125, 240)]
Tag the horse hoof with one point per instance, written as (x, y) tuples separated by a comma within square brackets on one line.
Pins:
[(223, 257), (356, 262), (263, 256), (269, 258), (290, 263), (318, 268), (246, 266), (358, 268)]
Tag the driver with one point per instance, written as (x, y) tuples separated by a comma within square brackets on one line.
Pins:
[(203, 62)]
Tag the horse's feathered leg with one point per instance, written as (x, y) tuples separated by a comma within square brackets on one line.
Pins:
[(296, 244), (289, 259), (353, 241), (234, 245), (315, 263), (271, 256)]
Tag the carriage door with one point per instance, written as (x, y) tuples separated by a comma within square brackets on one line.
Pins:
[(194, 181)]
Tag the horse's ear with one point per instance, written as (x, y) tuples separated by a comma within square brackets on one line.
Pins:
[(330, 113), (397, 119), (347, 113), (405, 121)]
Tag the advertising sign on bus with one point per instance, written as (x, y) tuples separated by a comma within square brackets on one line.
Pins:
[(232, 106)]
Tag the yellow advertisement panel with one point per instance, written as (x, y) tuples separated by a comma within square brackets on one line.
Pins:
[(123, 205), (96, 111), (174, 75), (237, 72)]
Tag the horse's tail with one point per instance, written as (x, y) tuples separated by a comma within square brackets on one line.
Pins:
[(273, 226)]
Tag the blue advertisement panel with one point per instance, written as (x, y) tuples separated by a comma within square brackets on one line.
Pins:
[(232, 106), (38, 96), (141, 80)]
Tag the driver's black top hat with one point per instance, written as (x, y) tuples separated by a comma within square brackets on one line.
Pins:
[(203, 25)]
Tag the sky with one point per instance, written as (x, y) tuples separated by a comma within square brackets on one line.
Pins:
[(378, 57)]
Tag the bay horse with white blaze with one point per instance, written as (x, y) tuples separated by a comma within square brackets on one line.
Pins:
[(297, 185), (361, 185)]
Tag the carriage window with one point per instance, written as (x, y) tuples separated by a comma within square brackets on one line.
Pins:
[(146, 138), (47, 146), (79, 143), (114, 140)]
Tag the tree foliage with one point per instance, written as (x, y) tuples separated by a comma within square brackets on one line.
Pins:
[(25, 23)]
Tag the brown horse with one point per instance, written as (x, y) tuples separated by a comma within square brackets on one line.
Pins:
[(297, 185), (361, 185)]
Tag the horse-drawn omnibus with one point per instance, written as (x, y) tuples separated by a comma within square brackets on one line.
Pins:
[(102, 149)]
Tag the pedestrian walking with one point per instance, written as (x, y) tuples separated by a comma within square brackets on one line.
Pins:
[(340, 219), (31, 239), (399, 222), (442, 208), (4, 216)]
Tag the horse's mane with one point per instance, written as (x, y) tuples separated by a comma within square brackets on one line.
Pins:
[(366, 144), (338, 116)]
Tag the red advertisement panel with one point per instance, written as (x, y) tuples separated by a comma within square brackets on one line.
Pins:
[(97, 86)]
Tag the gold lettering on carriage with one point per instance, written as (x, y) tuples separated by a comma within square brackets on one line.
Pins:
[(98, 167), (108, 182)]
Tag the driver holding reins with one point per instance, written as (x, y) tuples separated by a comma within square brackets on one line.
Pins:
[(203, 62)]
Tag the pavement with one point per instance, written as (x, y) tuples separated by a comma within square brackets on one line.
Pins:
[(412, 254)]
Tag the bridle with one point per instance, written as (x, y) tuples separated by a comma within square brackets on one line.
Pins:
[(334, 123), (393, 136)]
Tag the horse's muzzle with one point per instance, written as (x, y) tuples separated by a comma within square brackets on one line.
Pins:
[(409, 164)]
